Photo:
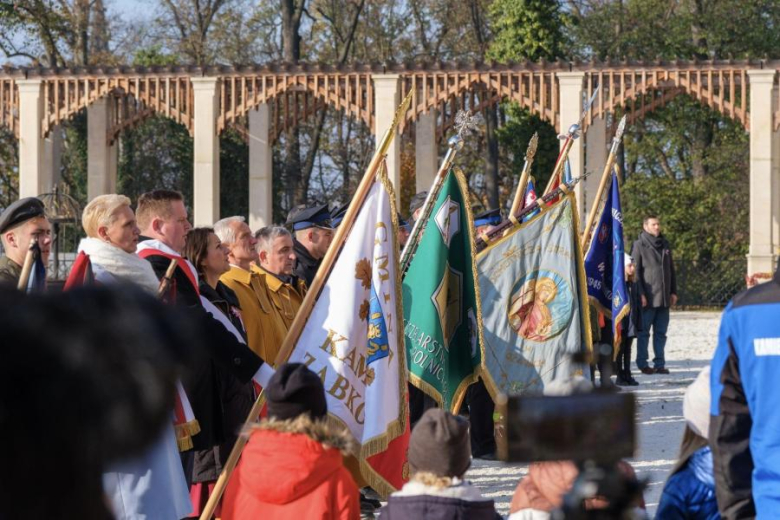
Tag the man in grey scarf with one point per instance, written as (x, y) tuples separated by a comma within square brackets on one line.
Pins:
[(657, 288)]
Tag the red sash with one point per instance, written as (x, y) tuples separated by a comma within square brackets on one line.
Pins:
[(184, 422), (146, 253)]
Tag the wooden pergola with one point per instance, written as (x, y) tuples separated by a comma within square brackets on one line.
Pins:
[(267, 100)]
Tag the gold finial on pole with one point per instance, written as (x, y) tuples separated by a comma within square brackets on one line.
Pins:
[(530, 153)]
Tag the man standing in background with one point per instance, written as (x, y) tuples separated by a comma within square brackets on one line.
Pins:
[(657, 289)]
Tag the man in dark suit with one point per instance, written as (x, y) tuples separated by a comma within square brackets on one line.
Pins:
[(162, 217)]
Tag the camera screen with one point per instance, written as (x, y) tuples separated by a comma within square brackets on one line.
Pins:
[(595, 426)]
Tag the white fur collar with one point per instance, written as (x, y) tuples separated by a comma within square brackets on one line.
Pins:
[(121, 265), (458, 489)]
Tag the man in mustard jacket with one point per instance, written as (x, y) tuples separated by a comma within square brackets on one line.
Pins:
[(265, 331), (275, 262)]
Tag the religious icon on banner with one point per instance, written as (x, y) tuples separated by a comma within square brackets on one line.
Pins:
[(540, 306)]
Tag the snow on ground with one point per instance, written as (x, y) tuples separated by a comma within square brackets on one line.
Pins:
[(691, 341)]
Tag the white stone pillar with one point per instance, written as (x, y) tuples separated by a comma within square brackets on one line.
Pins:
[(386, 101), (206, 152), (51, 159), (570, 100), (260, 168), (102, 157), (31, 174), (426, 151), (776, 184), (762, 185), (596, 153)]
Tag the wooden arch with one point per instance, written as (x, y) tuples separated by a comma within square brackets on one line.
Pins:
[(295, 93), (638, 89), (449, 87), (9, 105), (166, 93)]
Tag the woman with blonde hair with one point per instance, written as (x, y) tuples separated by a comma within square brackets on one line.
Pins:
[(112, 236)]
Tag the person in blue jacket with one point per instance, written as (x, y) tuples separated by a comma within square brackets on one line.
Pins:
[(689, 494), (744, 429)]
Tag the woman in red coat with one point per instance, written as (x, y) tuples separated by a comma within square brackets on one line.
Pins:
[(292, 466)]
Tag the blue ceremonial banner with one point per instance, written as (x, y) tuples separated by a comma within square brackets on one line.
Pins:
[(604, 264), (37, 279), (567, 178), (534, 302)]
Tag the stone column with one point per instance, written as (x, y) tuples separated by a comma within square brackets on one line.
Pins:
[(426, 151), (762, 181), (51, 159), (260, 168), (102, 157), (386, 100), (31, 174), (776, 184), (570, 98), (206, 153), (596, 153)]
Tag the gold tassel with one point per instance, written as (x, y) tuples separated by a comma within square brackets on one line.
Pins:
[(184, 433)]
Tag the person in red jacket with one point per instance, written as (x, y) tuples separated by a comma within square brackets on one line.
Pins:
[(292, 465)]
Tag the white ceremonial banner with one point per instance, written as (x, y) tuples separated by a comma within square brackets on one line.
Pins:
[(353, 336)]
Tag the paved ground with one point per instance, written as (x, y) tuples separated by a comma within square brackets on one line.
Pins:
[(692, 339)]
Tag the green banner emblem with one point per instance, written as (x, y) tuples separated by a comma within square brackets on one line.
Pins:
[(442, 322)]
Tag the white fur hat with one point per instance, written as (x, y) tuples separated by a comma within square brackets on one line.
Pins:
[(627, 259)]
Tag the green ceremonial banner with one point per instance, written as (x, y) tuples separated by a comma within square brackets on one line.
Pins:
[(534, 302), (442, 323)]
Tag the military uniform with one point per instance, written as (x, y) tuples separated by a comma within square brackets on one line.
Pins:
[(318, 216), (268, 307), (306, 266), (9, 271), (15, 215)]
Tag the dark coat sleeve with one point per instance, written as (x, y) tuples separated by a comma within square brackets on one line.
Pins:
[(636, 254), (730, 442), (221, 344)]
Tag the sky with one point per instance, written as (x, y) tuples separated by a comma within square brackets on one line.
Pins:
[(132, 8)]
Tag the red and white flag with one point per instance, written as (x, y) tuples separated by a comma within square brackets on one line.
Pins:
[(353, 339)]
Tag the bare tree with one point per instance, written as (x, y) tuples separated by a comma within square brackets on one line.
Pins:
[(191, 21)]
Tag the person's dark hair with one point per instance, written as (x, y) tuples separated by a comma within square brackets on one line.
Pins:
[(197, 247), (649, 217), (88, 378)]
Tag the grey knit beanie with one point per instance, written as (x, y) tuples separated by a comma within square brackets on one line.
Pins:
[(440, 444)]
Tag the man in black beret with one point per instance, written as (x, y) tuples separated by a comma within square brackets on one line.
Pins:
[(21, 223), (313, 232)]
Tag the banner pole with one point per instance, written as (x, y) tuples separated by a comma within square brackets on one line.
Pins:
[(308, 302), (530, 153), (605, 176), (29, 258)]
